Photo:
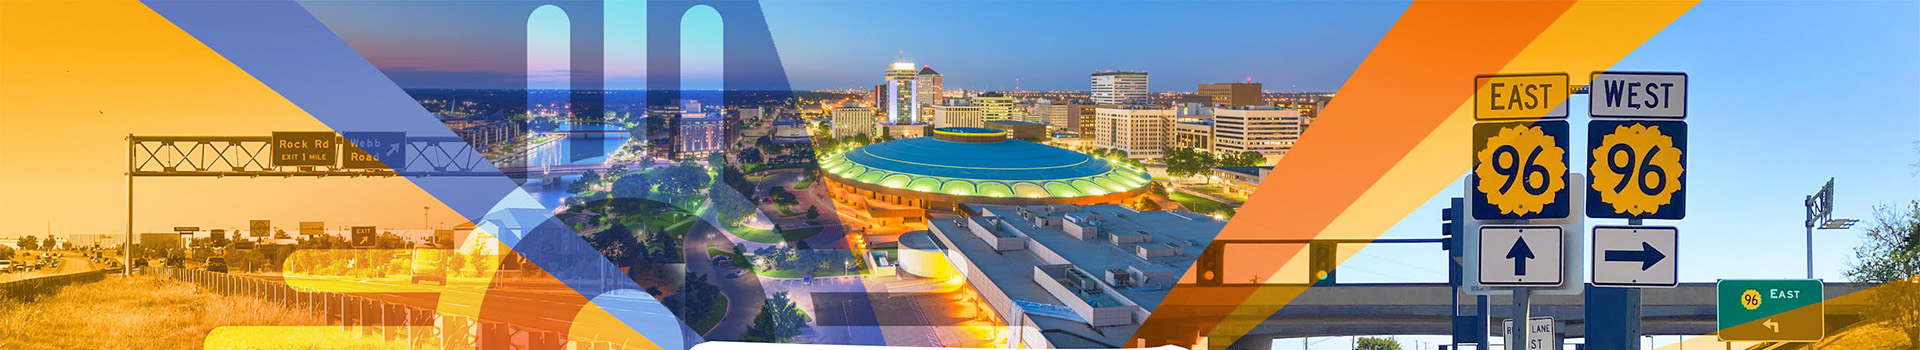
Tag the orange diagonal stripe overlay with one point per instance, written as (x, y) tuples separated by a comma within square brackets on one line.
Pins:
[(1395, 136)]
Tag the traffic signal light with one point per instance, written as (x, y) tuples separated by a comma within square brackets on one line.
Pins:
[(1451, 219), (1321, 258)]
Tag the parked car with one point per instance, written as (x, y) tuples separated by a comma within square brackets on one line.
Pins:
[(737, 274), (217, 264), (6, 265)]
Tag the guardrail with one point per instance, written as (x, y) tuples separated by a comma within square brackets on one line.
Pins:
[(391, 321), (31, 288)]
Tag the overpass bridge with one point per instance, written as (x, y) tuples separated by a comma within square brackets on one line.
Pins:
[(553, 171), (1426, 309)]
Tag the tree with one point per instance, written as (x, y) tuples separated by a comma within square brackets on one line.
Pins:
[(813, 212), (1147, 204), (1889, 255), (682, 181), (751, 156), (586, 182), (691, 301), (780, 194), (778, 322), (1183, 162), (456, 262), (616, 243), (1371, 343), (28, 242), (731, 209), (590, 177), (635, 186), (1157, 189), (663, 247), (1242, 159)]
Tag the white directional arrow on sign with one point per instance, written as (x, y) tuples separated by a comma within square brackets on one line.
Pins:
[(1635, 256), (1520, 256)]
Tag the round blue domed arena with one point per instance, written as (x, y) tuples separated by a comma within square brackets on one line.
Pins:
[(980, 165)]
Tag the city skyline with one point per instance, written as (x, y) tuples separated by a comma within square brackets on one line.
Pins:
[(1046, 46)]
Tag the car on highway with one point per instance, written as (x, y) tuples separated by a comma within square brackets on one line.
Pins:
[(217, 264), (429, 264)]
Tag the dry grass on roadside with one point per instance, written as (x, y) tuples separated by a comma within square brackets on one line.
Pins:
[(154, 313)]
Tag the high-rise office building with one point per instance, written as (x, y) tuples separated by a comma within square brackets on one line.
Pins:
[(1113, 88), (852, 119), (701, 134), (1232, 94), (903, 88), (996, 106), (931, 86), (878, 96), (1268, 130), (1087, 120), (1141, 132), (1060, 115)]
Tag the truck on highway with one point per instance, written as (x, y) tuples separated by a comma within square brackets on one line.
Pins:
[(429, 264)]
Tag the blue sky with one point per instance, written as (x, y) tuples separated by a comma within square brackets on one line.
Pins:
[(1055, 45)]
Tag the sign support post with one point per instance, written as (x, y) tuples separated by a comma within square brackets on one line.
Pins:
[(1522, 318)]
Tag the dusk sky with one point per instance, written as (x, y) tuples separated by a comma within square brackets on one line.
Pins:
[(1289, 46)]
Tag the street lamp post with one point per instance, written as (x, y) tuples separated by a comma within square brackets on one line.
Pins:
[(1820, 215)]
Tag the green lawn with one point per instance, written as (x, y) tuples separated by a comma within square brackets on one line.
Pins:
[(1218, 192), (1201, 205), (804, 182)]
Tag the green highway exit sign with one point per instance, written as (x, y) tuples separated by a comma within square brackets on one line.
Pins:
[(1788, 310)]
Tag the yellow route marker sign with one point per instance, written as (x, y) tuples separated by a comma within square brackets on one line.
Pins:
[(1638, 169), (1520, 170)]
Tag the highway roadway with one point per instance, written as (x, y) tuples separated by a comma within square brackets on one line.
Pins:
[(74, 262)]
